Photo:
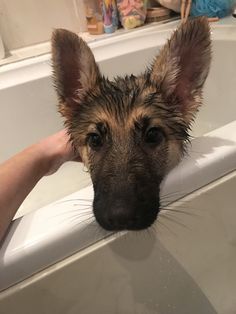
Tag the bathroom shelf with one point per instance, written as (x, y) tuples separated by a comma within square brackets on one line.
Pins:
[(45, 47)]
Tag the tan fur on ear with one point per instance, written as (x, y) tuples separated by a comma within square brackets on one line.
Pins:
[(183, 63), (74, 66)]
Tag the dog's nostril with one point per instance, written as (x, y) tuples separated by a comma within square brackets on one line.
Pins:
[(131, 222), (110, 221), (122, 222), (105, 189)]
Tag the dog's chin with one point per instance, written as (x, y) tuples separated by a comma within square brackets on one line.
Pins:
[(108, 227), (142, 224)]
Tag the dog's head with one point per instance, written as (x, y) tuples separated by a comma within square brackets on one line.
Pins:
[(131, 131)]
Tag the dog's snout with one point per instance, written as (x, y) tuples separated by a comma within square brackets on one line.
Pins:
[(126, 202), (125, 215), (120, 217)]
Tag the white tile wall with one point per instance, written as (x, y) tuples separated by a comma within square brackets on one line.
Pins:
[(26, 22)]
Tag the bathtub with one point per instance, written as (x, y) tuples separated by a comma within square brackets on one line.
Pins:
[(54, 261)]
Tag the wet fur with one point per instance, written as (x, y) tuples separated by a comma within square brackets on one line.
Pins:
[(126, 170)]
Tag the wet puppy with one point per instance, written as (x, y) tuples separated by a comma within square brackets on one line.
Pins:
[(131, 131)]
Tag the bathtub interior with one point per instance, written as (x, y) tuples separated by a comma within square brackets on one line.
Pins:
[(145, 272), (30, 113), (185, 264)]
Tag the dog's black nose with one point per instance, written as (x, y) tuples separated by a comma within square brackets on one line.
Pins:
[(120, 216)]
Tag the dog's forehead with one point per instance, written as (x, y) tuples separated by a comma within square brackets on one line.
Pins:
[(120, 115), (120, 100)]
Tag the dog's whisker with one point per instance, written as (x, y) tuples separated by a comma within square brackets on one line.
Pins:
[(171, 193), (78, 209), (167, 217), (88, 208), (81, 215), (150, 232), (98, 231), (175, 203), (178, 211), (185, 205), (82, 205), (86, 225), (75, 199), (78, 219), (161, 223), (71, 213), (178, 206), (87, 220), (171, 197)]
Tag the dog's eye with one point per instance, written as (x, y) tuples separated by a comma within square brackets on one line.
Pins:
[(154, 135), (94, 140)]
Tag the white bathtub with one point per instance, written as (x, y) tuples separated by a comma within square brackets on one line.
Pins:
[(120, 274)]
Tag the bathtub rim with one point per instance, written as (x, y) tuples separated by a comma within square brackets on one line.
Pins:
[(95, 246), (31, 245)]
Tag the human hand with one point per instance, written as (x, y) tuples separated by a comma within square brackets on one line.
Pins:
[(56, 149), (20, 173)]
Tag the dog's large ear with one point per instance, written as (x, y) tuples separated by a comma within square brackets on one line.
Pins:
[(74, 67), (183, 65)]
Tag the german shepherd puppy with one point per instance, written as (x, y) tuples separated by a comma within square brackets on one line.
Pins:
[(131, 131)]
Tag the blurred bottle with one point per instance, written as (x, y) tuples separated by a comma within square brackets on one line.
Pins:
[(110, 16), (2, 51), (94, 17)]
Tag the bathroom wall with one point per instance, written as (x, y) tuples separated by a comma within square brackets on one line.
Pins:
[(26, 22)]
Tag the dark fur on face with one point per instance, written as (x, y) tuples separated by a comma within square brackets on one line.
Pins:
[(131, 131)]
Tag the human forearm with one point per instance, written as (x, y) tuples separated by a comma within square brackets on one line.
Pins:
[(20, 174)]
